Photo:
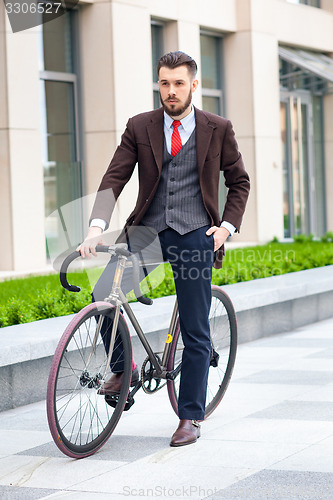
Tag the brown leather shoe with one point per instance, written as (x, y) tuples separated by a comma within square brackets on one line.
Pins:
[(187, 433), (113, 385)]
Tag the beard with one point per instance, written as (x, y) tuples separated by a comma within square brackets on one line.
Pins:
[(172, 110)]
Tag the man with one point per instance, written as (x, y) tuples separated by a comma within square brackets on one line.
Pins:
[(180, 151)]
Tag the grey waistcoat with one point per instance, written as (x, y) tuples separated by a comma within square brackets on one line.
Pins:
[(178, 201)]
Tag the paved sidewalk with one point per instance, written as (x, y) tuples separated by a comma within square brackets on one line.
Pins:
[(271, 437)]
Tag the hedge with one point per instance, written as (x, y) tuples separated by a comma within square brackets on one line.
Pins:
[(34, 298)]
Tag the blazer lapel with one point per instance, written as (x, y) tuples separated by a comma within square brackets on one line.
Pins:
[(155, 131), (204, 131)]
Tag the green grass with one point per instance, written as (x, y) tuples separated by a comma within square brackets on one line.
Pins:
[(39, 297)]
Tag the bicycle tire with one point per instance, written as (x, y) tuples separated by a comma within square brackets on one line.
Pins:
[(80, 420), (223, 331)]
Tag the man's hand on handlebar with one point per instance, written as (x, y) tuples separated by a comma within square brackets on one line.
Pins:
[(88, 247)]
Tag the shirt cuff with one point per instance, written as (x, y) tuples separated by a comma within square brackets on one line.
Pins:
[(99, 223), (228, 226)]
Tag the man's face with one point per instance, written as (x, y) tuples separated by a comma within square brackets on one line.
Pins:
[(176, 89)]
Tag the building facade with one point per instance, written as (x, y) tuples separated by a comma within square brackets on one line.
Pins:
[(68, 87)]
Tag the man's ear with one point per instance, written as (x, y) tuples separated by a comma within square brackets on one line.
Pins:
[(195, 85)]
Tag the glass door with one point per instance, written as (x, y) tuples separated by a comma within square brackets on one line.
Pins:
[(298, 163)]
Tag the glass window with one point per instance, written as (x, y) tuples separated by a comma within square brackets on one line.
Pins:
[(319, 164), (59, 125), (302, 133), (312, 3), (286, 174), (211, 79), (211, 73), (157, 45), (57, 44), (210, 61)]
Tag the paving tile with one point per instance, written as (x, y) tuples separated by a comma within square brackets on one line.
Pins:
[(308, 364), (324, 354), (48, 449), (280, 485), (324, 393), (299, 410), (13, 441), (118, 448), (51, 473), (151, 479), (81, 495), (30, 417), (315, 458), (295, 341), (298, 377), (266, 391), (16, 493), (224, 453), (147, 424), (267, 354), (272, 431)]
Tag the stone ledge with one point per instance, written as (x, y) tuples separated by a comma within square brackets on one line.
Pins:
[(39, 339), (264, 307)]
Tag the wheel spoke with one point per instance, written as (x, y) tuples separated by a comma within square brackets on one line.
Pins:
[(80, 419)]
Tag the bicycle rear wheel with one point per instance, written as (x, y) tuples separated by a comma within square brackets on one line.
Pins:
[(223, 334), (80, 419)]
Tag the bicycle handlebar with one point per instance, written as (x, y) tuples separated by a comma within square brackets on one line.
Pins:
[(119, 249)]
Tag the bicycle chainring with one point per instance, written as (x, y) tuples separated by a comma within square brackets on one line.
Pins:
[(150, 384)]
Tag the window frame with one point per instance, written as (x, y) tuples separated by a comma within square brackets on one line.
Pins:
[(156, 90), (208, 92)]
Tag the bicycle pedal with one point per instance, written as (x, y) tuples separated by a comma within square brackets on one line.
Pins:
[(112, 400), (130, 402)]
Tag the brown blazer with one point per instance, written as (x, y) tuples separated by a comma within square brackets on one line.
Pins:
[(142, 143)]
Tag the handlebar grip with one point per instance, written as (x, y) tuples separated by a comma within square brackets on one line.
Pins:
[(102, 248), (136, 282), (66, 263), (105, 249), (63, 272)]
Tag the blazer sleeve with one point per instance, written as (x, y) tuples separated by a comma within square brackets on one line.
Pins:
[(116, 176), (236, 179)]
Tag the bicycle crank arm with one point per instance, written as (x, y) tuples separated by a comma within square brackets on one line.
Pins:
[(172, 375)]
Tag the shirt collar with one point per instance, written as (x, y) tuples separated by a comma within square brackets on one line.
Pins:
[(186, 122)]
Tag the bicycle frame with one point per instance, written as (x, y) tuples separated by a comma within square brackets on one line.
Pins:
[(118, 298)]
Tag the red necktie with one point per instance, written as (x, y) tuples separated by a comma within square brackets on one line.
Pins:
[(176, 142)]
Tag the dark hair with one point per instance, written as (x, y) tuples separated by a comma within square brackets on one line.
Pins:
[(174, 59)]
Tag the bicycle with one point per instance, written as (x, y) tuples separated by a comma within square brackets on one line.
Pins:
[(80, 419)]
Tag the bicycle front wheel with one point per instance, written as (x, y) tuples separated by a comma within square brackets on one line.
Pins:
[(223, 334), (80, 419)]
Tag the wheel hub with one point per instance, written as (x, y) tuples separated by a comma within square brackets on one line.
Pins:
[(92, 382)]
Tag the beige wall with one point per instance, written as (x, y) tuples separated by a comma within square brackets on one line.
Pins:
[(22, 192), (327, 5), (303, 26), (252, 88), (5, 198)]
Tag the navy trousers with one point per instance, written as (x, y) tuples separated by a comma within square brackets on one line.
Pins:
[(191, 257)]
